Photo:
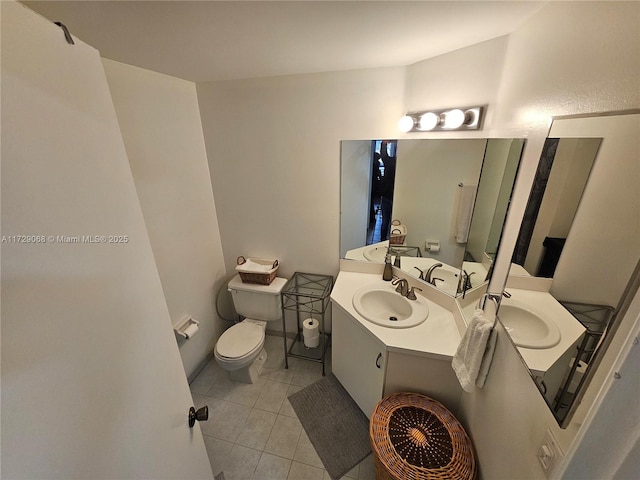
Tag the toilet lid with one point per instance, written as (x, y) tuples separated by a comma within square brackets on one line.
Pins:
[(239, 340)]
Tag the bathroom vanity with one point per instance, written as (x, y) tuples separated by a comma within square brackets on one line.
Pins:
[(372, 361)]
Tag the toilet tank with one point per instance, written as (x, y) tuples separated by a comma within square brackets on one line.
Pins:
[(260, 302)]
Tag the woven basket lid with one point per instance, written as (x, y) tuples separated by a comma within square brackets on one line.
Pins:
[(416, 437)]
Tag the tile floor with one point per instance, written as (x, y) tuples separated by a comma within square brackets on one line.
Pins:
[(374, 232), (252, 432)]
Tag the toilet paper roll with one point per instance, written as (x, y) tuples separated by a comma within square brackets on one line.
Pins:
[(310, 327), (311, 332), (433, 246), (191, 330)]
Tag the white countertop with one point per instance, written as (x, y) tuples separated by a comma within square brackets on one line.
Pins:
[(437, 336), (409, 264)]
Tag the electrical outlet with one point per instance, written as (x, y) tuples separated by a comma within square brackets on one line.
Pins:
[(549, 454)]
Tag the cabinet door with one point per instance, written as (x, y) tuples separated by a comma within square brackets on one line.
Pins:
[(430, 376), (358, 360)]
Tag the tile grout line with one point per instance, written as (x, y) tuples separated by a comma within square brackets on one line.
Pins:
[(298, 378)]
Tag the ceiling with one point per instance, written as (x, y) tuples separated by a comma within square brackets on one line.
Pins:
[(214, 40)]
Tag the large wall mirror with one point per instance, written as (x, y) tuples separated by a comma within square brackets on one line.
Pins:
[(449, 201), (581, 231)]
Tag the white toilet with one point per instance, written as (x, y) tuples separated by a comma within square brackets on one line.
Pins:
[(239, 350)]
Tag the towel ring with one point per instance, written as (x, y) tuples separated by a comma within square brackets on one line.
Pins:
[(496, 300)]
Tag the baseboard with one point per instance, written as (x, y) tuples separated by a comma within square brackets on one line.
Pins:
[(196, 371)]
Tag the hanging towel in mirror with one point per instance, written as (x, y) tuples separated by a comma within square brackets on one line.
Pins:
[(466, 199)]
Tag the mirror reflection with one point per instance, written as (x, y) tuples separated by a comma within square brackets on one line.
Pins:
[(448, 205), (560, 180), (575, 255)]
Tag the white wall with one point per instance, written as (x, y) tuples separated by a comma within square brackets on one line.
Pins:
[(489, 191), (427, 197), (504, 197), (355, 193), (160, 123), (466, 77), (274, 153)]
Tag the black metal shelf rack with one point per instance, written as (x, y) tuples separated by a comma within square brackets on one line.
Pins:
[(307, 294)]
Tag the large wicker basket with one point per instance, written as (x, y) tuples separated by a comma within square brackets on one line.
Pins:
[(414, 437)]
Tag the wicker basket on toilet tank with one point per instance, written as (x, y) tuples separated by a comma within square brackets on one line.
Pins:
[(250, 274), (398, 233)]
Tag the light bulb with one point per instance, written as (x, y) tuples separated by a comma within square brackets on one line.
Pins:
[(406, 123), (428, 121), (472, 117), (453, 118)]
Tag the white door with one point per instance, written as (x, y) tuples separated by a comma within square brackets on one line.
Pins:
[(92, 382)]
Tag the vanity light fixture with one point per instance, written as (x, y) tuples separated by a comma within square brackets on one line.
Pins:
[(468, 118)]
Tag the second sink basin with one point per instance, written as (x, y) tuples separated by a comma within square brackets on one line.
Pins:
[(527, 327), (376, 254), (446, 280), (385, 307)]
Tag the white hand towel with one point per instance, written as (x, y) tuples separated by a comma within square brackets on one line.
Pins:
[(487, 359), (475, 352), (252, 266)]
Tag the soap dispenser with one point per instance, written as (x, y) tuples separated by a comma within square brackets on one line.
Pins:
[(387, 275)]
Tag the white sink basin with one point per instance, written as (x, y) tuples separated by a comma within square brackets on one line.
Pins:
[(528, 328), (386, 307), (376, 254)]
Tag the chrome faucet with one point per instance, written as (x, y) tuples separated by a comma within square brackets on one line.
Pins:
[(402, 286), (422, 272), (411, 295), (404, 289), (465, 281), (427, 275)]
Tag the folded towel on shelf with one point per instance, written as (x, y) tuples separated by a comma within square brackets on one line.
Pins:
[(475, 352), (465, 209), (251, 266)]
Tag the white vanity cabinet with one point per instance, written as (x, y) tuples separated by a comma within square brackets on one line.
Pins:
[(358, 359), (368, 370), (372, 361), (431, 376)]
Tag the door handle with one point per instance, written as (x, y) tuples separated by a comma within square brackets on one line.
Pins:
[(378, 360), (202, 415)]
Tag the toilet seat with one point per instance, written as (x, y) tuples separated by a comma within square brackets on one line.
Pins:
[(241, 340)]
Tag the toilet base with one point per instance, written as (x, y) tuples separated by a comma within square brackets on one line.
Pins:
[(250, 373)]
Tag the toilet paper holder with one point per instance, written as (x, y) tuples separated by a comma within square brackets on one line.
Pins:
[(187, 327), (432, 245)]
